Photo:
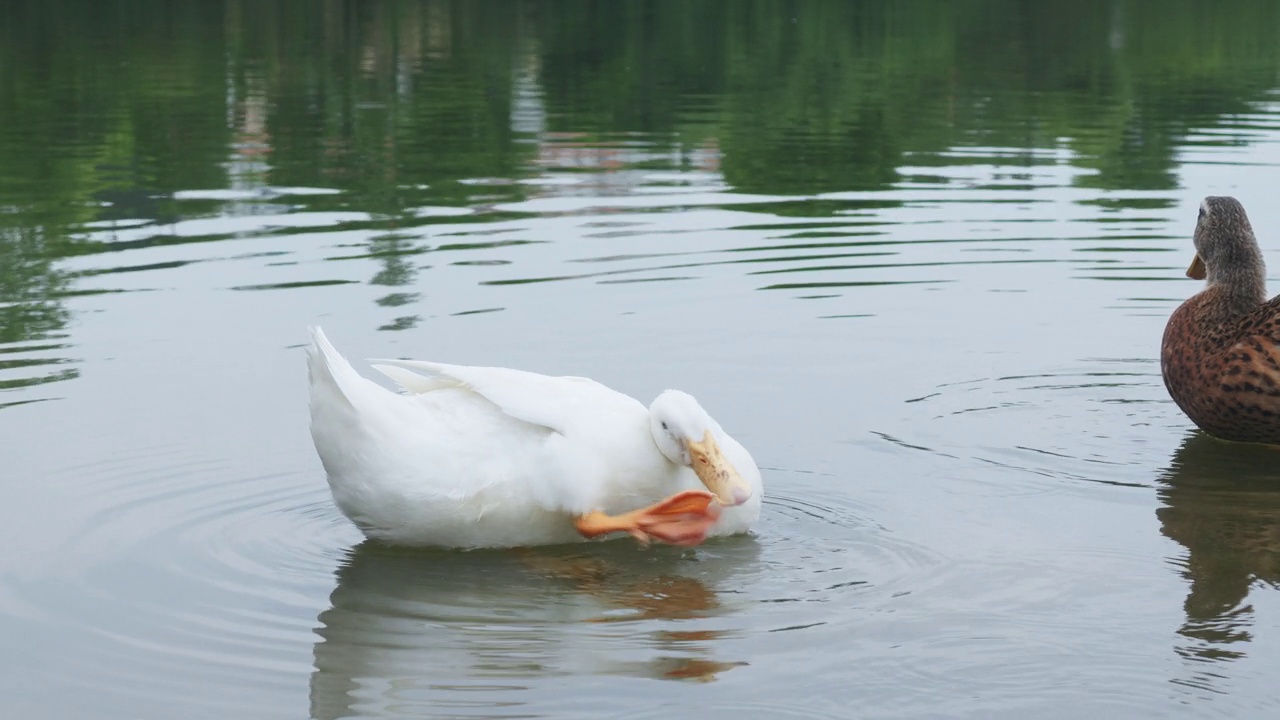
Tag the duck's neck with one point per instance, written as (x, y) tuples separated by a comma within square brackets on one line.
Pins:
[(1240, 284)]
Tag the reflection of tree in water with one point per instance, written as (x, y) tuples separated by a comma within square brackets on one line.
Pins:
[(394, 103), (391, 103), (838, 96), (396, 252), (105, 111), (27, 283), (30, 310), (1222, 502)]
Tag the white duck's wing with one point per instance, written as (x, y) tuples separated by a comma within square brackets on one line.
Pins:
[(561, 404), (414, 383)]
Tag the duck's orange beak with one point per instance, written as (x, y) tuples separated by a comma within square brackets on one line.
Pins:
[(716, 472), (1196, 271)]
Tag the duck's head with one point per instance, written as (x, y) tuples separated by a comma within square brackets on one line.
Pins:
[(1226, 251), (687, 435)]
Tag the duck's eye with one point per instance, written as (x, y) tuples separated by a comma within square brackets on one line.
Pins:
[(664, 426), (1201, 215)]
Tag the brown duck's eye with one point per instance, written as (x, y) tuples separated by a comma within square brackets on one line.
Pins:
[(1201, 215)]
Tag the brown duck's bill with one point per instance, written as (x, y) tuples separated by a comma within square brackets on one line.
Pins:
[(1196, 271)]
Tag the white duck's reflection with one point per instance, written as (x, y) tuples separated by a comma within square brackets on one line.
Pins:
[(1222, 502), (413, 630)]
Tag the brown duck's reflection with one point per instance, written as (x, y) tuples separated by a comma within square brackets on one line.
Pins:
[(428, 629), (1222, 502)]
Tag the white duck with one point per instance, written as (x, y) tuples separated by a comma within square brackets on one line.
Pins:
[(491, 457)]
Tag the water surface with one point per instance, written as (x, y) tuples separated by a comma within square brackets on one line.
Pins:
[(917, 260)]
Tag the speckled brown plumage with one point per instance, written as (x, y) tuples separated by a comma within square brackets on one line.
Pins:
[(1221, 350)]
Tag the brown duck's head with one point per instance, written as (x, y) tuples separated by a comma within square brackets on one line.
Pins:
[(1226, 250)]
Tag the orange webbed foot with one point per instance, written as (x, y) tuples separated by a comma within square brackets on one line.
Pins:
[(682, 519)]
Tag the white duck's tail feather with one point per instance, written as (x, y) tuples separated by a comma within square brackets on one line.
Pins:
[(346, 422), (332, 377)]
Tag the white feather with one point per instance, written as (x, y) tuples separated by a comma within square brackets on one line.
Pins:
[(494, 457)]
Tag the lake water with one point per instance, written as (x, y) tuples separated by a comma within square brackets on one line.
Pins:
[(917, 260)]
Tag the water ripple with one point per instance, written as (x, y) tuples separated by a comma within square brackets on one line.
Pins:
[(239, 560)]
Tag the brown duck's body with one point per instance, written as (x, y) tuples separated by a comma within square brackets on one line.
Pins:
[(1223, 369), (1220, 356)]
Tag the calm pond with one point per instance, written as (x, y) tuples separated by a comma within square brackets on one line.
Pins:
[(916, 256)]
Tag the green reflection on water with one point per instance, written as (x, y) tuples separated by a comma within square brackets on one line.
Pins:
[(108, 108)]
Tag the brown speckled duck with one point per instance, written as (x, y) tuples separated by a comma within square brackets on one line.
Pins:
[(1221, 350)]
